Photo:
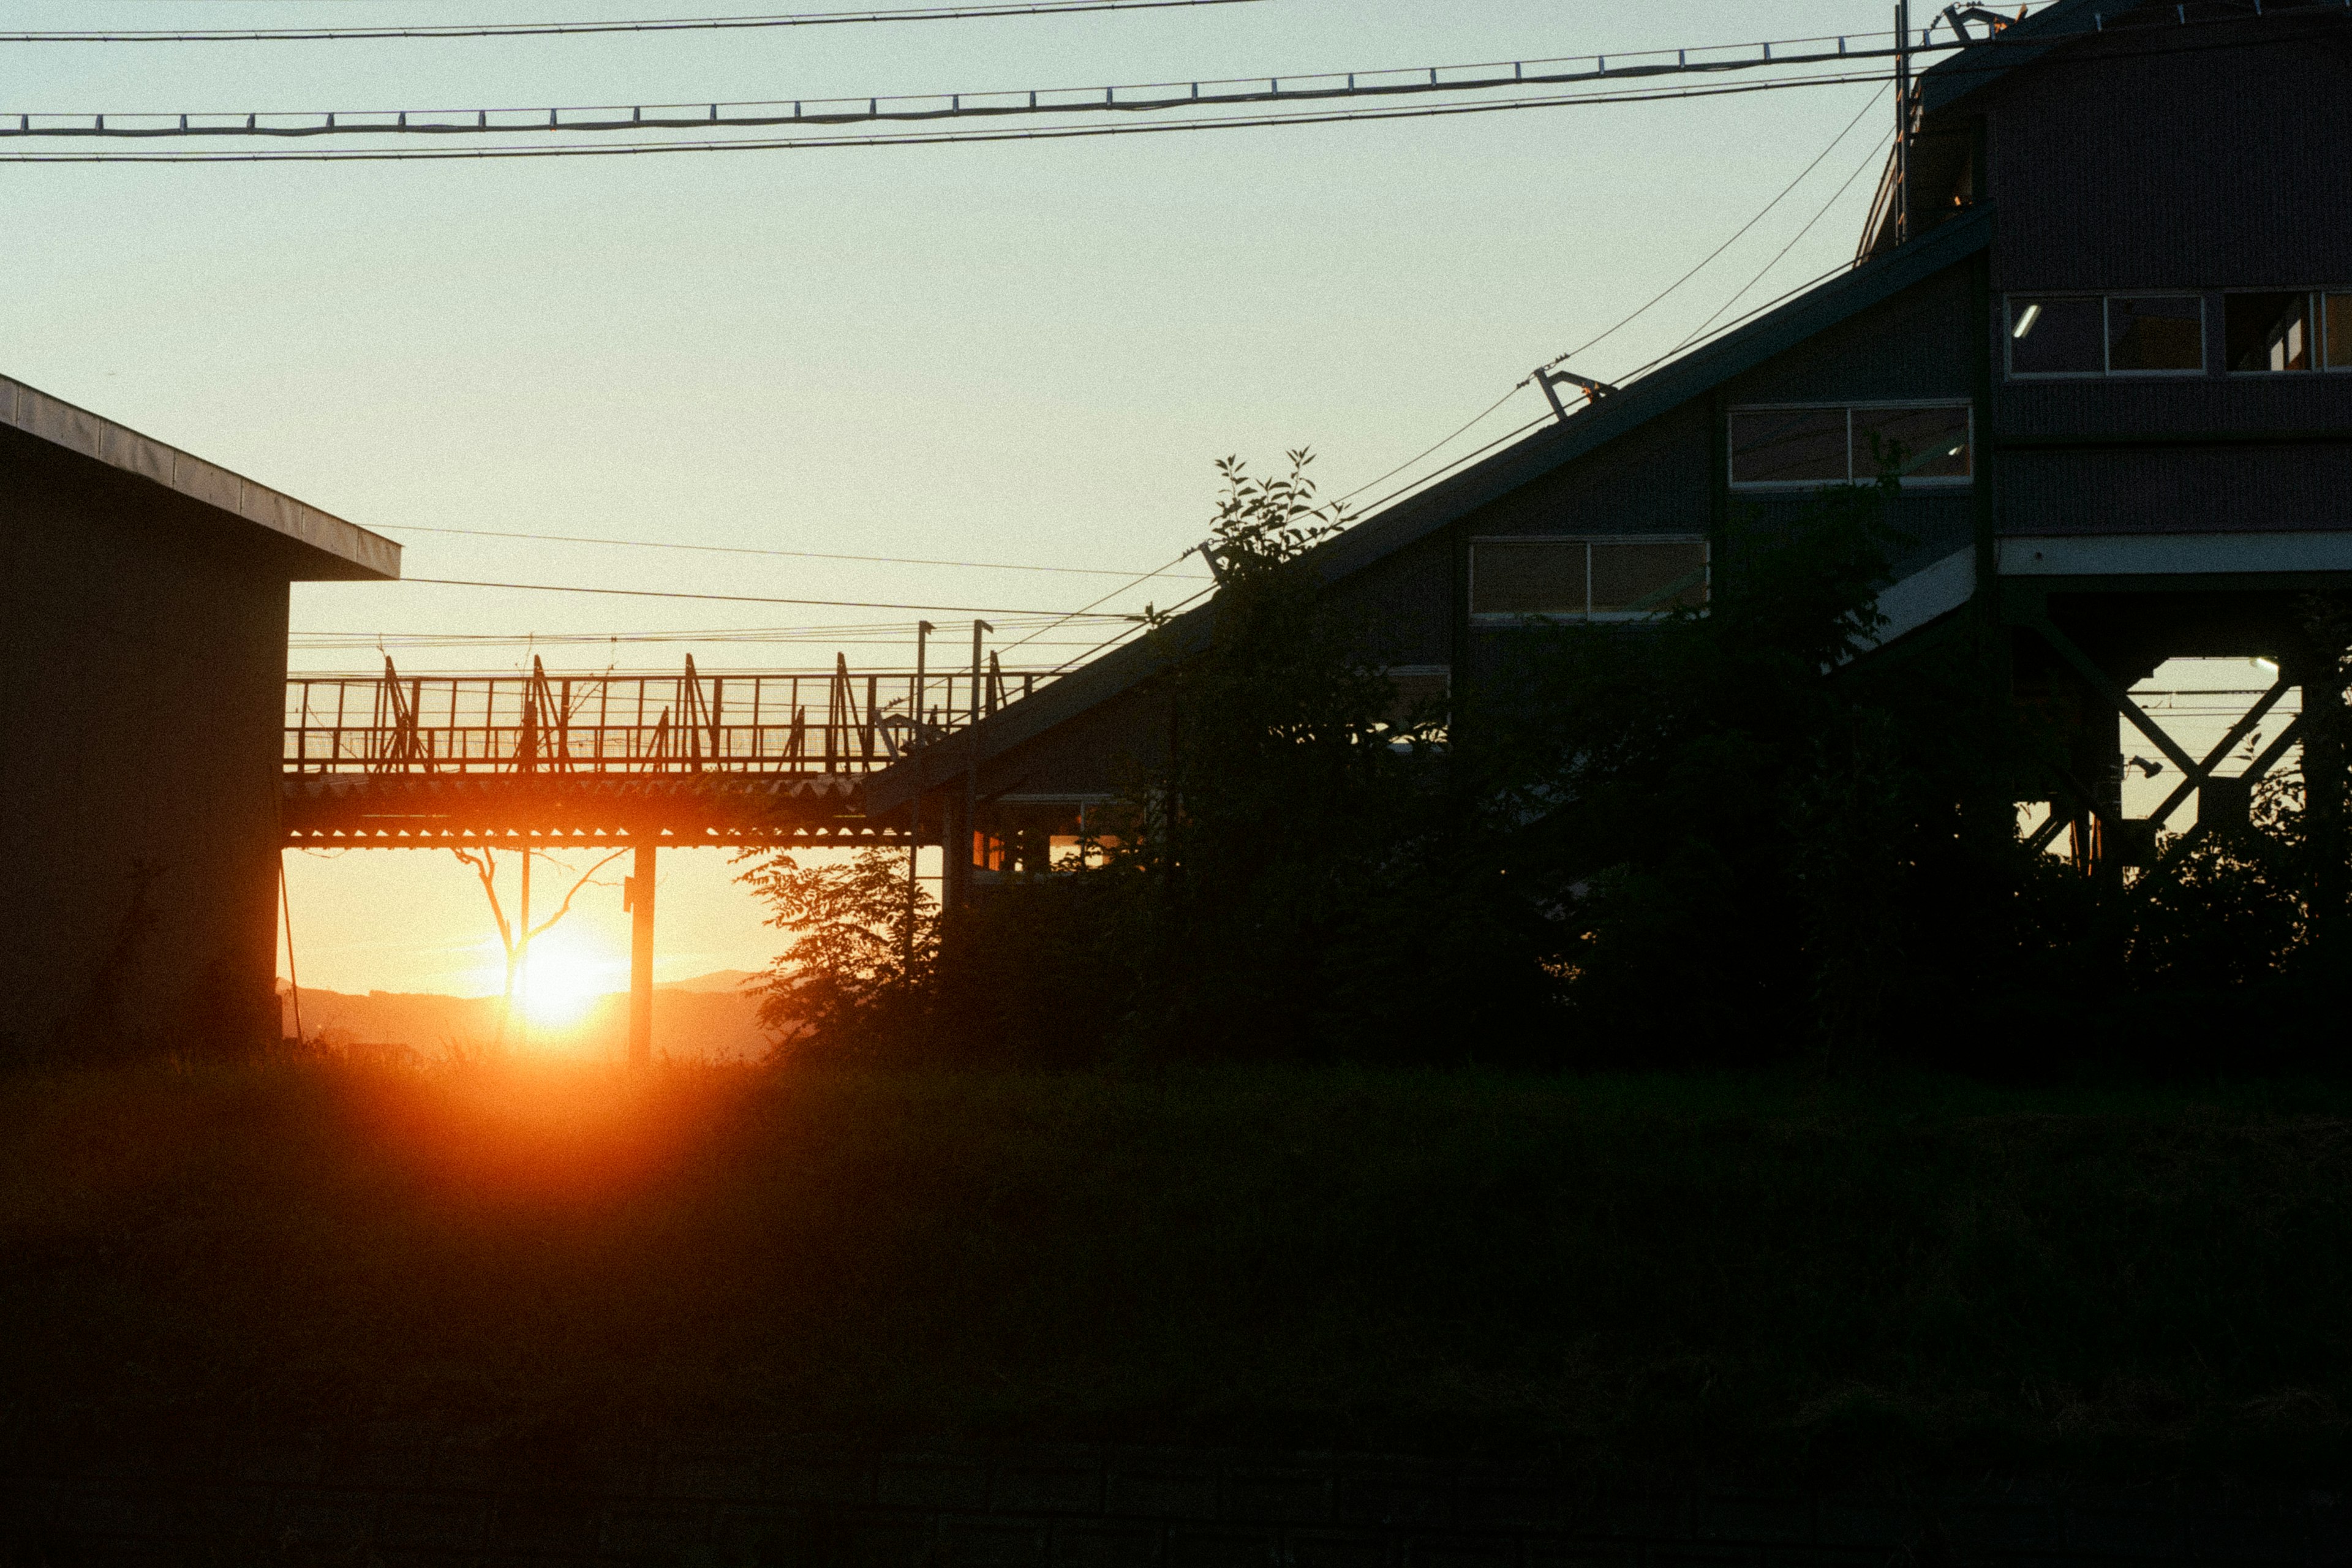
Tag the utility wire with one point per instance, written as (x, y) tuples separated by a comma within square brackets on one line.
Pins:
[(1761, 213), (547, 30), (1089, 609), (934, 138), (1433, 446), (756, 599), (866, 108), (795, 554), (1836, 196), (1627, 320)]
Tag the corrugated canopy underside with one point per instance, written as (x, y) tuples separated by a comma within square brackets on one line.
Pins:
[(344, 550)]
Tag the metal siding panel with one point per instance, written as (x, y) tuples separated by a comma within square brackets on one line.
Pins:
[(1915, 345), (1406, 600), (2193, 491), (2215, 166), (1652, 479), (1929, 525), (2144, 406)]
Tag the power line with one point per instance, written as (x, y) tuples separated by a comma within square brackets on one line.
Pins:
[(952, 13), (865, 107), (1760, 215), (1106, 599), (756, 599), (1480, 416), (795, 554), (918, 139), (1433, 446), (1868, 159)]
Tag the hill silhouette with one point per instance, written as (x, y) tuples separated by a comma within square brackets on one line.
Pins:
[(706, 1017)]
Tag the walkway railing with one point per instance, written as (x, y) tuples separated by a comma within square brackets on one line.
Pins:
[(774, 722)]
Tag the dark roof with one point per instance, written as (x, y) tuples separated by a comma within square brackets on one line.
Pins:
[(331, 547), (1418, 516), (1956, 76)]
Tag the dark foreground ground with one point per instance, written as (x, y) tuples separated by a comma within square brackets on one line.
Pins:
[(1766, 1281)]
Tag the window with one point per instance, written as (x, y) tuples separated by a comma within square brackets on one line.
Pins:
[(2109, 334), (1922, 443), (2277, 333), (2057, 336), (1803, 448), (2270, 332), (1622, 579), (2155, 332), (1790, 446)]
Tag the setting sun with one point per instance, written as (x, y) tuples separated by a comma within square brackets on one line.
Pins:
[(560, 980)]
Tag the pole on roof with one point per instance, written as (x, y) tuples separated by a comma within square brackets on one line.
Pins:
[(1902, 120), (978, 627), (923, 630)]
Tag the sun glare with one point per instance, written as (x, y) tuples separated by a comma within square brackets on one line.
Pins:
[(559, 981)]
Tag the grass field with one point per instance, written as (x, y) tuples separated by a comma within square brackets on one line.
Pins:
[(1754, 1275)]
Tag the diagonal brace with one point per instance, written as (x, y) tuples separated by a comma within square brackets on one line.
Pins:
[(2115, 695), (2238, 732), (2253, 773)]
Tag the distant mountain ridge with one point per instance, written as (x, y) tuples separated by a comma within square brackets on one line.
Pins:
[(706, 1017)]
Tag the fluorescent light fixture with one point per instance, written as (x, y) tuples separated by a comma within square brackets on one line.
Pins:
[(2268, 666), (2026, 322)]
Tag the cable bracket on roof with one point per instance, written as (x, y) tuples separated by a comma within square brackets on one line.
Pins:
[(1548, 379)]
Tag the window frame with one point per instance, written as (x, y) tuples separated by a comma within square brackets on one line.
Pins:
[(2204, 332), (1786, 487), (2009, 337), (2107, 370), (2318, 294), (1589, 616)]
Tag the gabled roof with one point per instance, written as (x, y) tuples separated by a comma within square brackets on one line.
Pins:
[(1418, 516), (333, 549)]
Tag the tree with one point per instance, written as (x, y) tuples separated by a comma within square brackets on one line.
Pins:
[(864, 944), (516, 936), (1258, 860)]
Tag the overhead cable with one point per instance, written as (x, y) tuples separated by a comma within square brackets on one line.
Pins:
[(866, 108), (933, 138), (794, 554), (1106, 599), (758, 599), (950, 13), (1868, 159), (1761, 213)]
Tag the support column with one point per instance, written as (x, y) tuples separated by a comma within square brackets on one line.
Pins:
[(637, 898), (2323, 789)]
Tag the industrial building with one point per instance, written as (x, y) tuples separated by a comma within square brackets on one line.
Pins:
[(2103, 298), (143, 598)]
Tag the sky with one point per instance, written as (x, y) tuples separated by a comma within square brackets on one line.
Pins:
[(1026, 354)]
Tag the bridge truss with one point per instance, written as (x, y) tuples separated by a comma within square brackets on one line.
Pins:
[(775, 756)]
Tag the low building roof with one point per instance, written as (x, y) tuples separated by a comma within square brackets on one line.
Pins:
[(334, 549)]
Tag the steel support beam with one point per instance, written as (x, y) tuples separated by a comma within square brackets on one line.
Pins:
[(639, 898)]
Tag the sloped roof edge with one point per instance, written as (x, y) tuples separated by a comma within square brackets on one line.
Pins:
[(1418, 516), (353, 550)]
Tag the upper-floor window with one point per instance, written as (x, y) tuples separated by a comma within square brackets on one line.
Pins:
[(1802, 447), (2299, 330), (1627, 578), (2106, 334)]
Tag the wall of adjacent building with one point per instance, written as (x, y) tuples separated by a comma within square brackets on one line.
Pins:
[(142, 663)]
